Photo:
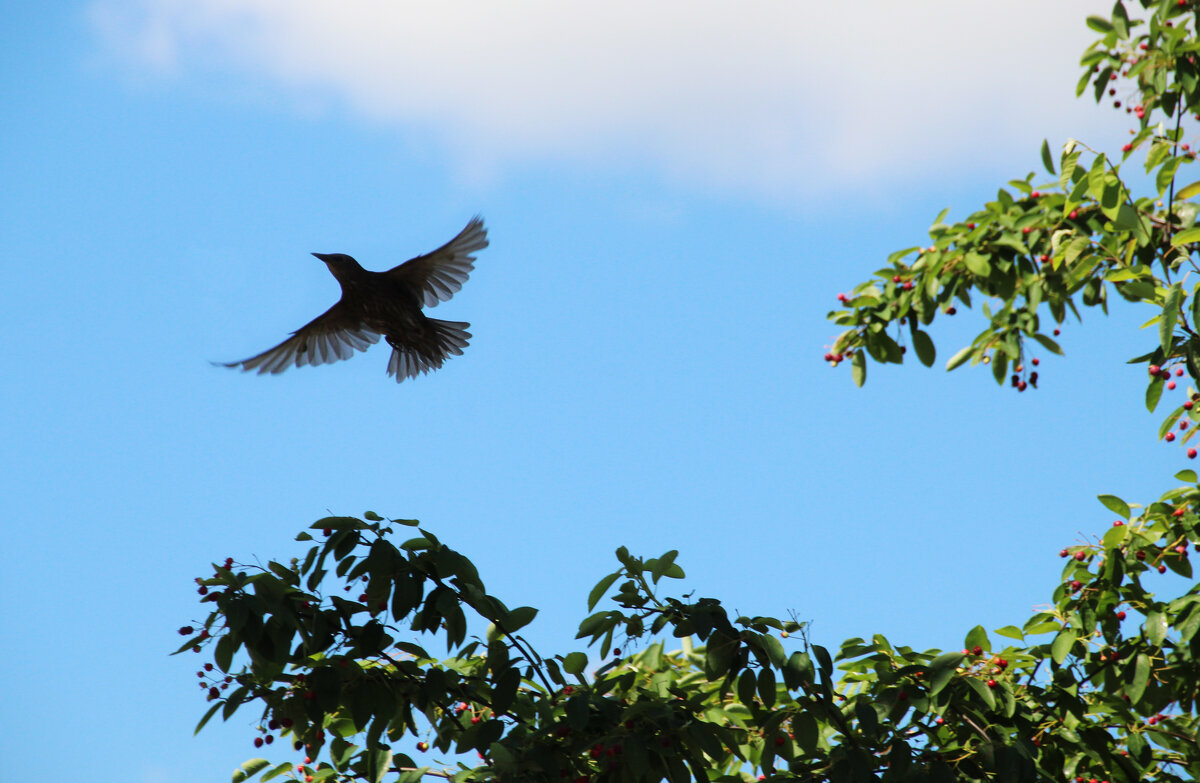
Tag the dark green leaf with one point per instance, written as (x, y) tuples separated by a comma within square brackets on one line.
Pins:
[(1047, 159), (575, 663), (858, 368), (924, 347)]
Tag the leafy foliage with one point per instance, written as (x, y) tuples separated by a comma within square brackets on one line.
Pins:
[(1101, 685)]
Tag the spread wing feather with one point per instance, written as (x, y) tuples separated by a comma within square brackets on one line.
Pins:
[(326, 339), (439, 275)]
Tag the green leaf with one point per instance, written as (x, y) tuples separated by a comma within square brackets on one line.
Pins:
[(1048, 344), (1062, 644), (601, 588), (977, 264), (575, 662), (1186, 237), (977, 637), (1155, 627), (1047, 160), (924, 347), (1099, 24), (1115, 505), (1140, 677), (1170, 313), (943, 669), (519, 618), (1012, 632), (1188, 192), (1153, 393), (250, 769), (858, 368), (211, 711), (960, 358), (1186, 475)]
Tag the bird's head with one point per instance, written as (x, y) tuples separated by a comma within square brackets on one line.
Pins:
[(340, 265)]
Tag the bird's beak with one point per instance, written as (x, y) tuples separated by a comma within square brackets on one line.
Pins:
[(323, 256)]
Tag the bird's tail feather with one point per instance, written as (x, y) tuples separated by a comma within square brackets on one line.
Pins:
[(445, 338)]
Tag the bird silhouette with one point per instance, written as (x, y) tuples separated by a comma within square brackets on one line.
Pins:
[(385, 304)]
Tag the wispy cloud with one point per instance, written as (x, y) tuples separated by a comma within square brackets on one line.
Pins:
[(771, 96)]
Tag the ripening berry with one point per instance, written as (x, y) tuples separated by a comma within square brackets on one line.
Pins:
[(896, 278), (1118, 523), (1191, 453), (1170, 436), (1127, 148), (1120, 615), (1075, 585), (992, 683), (1162, 569), (1187, 406), (1081, 556), (1179, 370), (1027, 229), (1154, 369), (422, 746), (1074, 214), (1063, 553), (1036, 361), (1171, 385), (977, 650)]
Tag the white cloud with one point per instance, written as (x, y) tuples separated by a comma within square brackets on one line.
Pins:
[(769, 96)]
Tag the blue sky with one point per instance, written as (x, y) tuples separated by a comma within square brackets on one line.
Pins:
[(674, 200)]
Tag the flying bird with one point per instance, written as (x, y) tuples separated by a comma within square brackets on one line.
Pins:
[(385, 304)]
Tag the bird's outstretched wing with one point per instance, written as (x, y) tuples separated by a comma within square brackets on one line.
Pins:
[(437, 276), (328, 338)]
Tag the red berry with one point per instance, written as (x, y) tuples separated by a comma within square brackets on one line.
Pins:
[(1183, 425), (907, 285), (1170, 384), (1063, 553), (1022, 386), (1057, 332), (1074, 214), (1162, 569), (1035, 194), (1120, 615), (992, 683), (1170, 436), (1187, 406), (1127, 148), (422, 746), (270, 739), (186, 630), (1081, 556), (1191, 453), (951, 310), (977, 650), (1140, 555), (1118, 523), (1075, 585), (1027, 229), (1154, 369), (258, 742), (896, 278), (1179, 370), (971, 225)]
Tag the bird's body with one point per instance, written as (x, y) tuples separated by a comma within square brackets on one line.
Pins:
[(387, 304)]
